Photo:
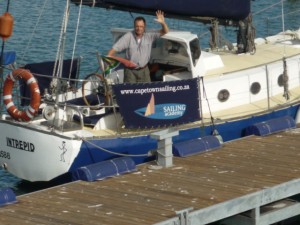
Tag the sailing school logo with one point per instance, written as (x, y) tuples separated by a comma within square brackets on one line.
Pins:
[(161, 111)]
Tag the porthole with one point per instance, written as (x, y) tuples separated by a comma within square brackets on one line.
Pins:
[(223, 95), (280, 80), (255, 88)]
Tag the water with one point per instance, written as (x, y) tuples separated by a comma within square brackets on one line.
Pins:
[(35, 42)]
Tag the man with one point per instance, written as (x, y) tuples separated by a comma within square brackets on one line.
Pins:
[(138, 44)]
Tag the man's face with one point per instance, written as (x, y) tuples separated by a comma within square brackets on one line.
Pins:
[(139, 27)]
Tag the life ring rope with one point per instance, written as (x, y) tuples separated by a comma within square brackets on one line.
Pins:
[(35, 97)]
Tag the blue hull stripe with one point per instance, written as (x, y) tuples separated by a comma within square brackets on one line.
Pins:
[(143, 144)]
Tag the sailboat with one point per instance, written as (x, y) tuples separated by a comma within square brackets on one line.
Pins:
[(54, 122)]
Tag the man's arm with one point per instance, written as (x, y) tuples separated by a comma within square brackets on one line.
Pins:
[(111, 52), (161, 19)]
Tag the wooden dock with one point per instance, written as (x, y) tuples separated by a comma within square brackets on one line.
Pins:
[(244, 177)]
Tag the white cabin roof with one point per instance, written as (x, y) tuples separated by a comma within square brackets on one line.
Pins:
[(182, 36)]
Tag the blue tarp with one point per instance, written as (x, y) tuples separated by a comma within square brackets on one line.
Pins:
[(9, 57)]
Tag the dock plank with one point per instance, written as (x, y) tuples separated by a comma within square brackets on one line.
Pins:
[(214, 178)]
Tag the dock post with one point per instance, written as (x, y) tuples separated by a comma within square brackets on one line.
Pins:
[(164, 146)]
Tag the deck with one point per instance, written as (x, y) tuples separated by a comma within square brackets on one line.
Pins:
[(244, 175), (266, 53)]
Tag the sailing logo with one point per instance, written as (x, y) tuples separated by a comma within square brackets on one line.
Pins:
[(162, 111)]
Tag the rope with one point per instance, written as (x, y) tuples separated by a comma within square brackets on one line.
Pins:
[(58, 63), (282, 18), (7, 7), (214, 42), (205, 96), (75, 41), (116, 153), (286, 93), (58, 47), (32, 34), (1, 62), (251, 33), (269, 7)]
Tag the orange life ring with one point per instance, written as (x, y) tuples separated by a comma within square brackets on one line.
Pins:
[(12, 110)]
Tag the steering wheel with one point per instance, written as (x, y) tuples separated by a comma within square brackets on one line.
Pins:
[(95, 91)]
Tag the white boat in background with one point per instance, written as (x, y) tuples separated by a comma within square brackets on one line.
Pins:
[(64, 123)]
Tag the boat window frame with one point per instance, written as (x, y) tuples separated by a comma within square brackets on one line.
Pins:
[(195, 50)]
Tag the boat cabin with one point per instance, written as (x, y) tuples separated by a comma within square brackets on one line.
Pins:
[(176, 55)]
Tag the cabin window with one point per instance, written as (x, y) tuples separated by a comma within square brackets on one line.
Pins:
[(158, 43), (170, 52), (118, 37), (255, 88), (223, 95), (176, 48), (280, 80), (195, 50), (173, 47)]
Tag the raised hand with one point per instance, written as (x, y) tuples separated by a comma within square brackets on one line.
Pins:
[(160, 17)]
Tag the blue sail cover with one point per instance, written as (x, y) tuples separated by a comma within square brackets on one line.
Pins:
[(223, 9)]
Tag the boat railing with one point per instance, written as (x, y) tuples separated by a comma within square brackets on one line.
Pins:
[(73, 96)]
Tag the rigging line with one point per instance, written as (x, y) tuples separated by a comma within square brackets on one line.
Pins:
[(114, 153), (75, 40), (34, 30), (205, 94), (130, 13), (1, 62), (283, 28), (204, 34), (58, 64), (282, 18), (271, 6), (200, 99), (7, 7), (290, 13), (58, 47), (60, 50)]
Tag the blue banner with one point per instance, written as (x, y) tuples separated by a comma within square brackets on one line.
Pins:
[(144, 105)]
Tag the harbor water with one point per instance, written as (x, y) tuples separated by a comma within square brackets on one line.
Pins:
[(37, 26)]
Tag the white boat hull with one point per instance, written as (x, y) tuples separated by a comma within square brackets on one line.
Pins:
[(32, 154)]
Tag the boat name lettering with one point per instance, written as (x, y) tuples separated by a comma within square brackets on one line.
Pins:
[(4, 154), (22, 145)]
